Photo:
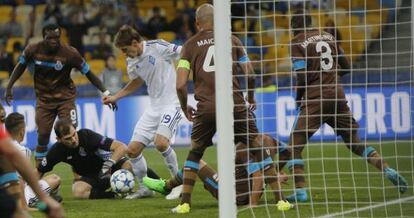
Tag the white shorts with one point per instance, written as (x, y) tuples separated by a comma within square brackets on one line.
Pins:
[(163, 122), (30, 196)]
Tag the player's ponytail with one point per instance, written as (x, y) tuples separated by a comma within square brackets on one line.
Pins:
[(125, 36)]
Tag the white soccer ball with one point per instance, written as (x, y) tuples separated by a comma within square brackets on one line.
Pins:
[(122, 181)]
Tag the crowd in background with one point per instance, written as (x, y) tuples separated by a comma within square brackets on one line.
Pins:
[(79, 17)]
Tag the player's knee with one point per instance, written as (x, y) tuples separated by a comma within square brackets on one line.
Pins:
[(80, 191), (134, 149), (80, 195), (53, 181), (161, 143)]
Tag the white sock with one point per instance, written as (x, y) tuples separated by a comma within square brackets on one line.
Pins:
[(139, 166), (170, 159)]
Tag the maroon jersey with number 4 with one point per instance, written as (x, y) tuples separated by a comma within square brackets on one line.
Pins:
[(199, 51)]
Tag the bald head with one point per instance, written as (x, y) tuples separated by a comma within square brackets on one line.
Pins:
[(205, 16)]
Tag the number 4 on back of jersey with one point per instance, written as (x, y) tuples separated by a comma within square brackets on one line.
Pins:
[(208, 65)]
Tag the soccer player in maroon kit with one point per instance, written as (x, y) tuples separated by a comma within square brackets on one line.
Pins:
[(317, 62), (197, 56), (51, 63)]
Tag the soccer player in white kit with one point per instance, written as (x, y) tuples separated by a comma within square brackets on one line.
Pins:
[(152, 63), (16, 127)]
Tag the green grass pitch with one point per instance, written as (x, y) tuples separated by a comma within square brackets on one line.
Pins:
[(355, 188)]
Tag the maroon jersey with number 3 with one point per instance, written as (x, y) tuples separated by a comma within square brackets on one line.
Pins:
[(314, 59)]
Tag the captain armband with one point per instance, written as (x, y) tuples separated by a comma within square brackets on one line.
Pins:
[(184, 64)]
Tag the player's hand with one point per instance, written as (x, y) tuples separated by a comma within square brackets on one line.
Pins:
[(113, 106), (52, 208), (8, 96), (108, 99), (106, 169), (189, 113), (252, 103)]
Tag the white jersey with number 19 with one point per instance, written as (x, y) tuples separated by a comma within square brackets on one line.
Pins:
[(156, 67)]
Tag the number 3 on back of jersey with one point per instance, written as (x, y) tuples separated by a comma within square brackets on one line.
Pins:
[(326, 56)]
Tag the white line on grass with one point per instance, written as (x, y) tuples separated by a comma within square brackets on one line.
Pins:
[(396, 201)]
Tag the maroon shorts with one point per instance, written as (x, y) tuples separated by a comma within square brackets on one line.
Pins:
[(313, 115), (46, 115), (204, 128)]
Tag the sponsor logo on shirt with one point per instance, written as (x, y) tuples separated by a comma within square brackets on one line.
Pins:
[(151, 60), (44, 162), (82, 151), (58, 65)]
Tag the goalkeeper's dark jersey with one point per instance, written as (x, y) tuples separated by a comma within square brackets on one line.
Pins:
[(86, 159)]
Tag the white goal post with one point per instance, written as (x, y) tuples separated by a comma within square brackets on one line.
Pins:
[(224, 108)]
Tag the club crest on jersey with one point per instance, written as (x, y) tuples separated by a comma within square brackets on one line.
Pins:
[(151, 60), (82, 152), (58, 65), (44, 162)]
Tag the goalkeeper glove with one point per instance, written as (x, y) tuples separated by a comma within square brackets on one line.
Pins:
[(106, 169)]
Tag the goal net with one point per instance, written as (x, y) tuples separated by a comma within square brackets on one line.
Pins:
[(376, 39)]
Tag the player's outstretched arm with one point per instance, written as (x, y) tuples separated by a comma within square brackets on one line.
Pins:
[(99, 85), (23, 166), (95, 81), (128, 89), (16, 74), (118, 150), (248, 70)]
